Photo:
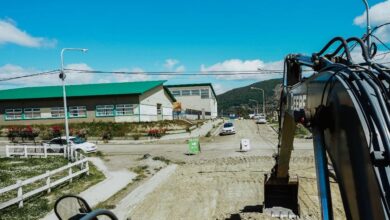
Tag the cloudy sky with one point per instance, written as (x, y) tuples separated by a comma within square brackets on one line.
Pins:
[(171, 35)]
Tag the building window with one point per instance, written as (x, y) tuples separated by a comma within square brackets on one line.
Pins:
[(125, 109), (32, 113), (105, 110), (176, 93), (185, 92), (77, 111), (195, 92), (13, 114), (57, 112), (204, 93)]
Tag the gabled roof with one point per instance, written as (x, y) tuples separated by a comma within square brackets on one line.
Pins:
[(194, 84), (125, 88)]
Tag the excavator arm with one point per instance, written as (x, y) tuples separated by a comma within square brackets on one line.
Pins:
[(346, 106)]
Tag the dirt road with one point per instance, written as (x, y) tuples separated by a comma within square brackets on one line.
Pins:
[(221, 182)]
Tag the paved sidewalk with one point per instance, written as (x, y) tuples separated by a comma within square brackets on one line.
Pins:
[(114, 182)]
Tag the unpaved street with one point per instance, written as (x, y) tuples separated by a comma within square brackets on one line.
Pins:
[(221, 182)]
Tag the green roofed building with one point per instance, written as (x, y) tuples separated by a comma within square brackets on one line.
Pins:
[(116, 102)]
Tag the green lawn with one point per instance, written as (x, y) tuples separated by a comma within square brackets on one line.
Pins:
[(36, 207)]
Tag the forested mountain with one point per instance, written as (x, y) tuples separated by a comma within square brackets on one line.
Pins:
[(237, 100)]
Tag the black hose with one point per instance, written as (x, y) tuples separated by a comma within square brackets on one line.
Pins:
[(343, 44), (359, 41)]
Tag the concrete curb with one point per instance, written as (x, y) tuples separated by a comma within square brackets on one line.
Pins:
[(114, 182), (130, 202)]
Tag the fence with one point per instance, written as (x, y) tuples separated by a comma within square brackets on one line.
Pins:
[(31, 150), (84, 168)]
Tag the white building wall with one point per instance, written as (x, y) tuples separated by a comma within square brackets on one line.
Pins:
[(149, 101), (148, 112), (167, 113), (195, 102)]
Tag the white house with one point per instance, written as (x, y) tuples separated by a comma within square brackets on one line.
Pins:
[(198, 101)]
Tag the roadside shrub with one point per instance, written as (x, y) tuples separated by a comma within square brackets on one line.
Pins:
[(13, 133), (29, 133), (55, 131), (106, 136), (82, 133), (157, 132), (208, 134), (136, 136)]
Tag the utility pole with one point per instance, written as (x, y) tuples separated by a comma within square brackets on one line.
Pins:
[(257, 105), (62, 76), (255, 88)]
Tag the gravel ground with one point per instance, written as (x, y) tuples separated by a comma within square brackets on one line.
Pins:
[(219, 183)]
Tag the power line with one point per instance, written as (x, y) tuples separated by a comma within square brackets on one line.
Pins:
[(29, 75), (186, 73)]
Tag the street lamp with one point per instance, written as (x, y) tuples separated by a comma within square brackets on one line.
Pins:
[(255, 88), (257, 105), (62, 77)]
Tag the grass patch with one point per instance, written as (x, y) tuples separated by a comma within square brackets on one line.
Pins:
[(163, 159), (39, 205), (301, 131)]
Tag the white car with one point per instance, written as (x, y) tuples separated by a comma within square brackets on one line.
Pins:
[(228, 128), (261, 120), (76, 143)]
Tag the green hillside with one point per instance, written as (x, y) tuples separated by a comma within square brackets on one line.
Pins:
[(237, 100)]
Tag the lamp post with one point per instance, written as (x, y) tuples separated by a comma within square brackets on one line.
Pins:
[(368, 24), (255, 88), (62, 76), (257, 105)]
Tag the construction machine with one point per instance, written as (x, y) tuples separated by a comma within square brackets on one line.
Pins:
[(345, 104)]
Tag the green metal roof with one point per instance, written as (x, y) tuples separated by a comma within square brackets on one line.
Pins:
[(194, 84), (128, 88)]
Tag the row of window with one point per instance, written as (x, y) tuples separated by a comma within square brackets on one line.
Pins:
[(204, 93), (118, 110), (74, 112)]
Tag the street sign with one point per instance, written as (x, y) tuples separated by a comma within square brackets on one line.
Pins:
[(193, 146)]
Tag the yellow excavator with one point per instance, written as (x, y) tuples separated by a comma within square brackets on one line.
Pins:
[(346, 106)]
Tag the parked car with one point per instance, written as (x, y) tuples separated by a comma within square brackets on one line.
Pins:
[(76, 143), (228, 128), (261, 120)]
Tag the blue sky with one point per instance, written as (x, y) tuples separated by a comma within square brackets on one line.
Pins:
[(168, 35)]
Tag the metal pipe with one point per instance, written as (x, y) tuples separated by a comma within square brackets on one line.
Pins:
[(322, 175)]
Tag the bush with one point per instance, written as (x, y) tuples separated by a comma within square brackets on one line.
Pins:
[(136, 136), (106, 136), (157, 132), (208, 134), (55, 131)]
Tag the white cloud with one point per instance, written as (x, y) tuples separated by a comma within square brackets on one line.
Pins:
[(244, 65), (138, 76), (379, 14), (219, 88), (9, 33), (78, 77), (11, 70), (180, 68), (172, 65)]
